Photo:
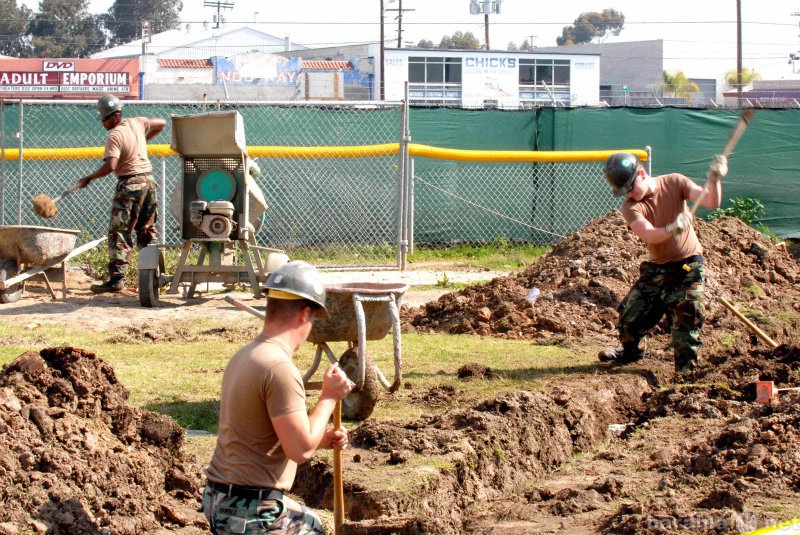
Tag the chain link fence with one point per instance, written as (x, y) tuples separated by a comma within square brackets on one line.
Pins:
[(344, 187), (334, 210), (537, 202)]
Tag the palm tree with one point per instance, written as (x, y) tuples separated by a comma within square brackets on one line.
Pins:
[(678, 85), (748, 75)]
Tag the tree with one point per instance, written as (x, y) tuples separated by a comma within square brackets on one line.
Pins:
[(677, 85), (460, 40), (65, 29), (512, 47), (126, 17), (748, 76), (592, 25), (526, 45), (425, 43), (13, 27)]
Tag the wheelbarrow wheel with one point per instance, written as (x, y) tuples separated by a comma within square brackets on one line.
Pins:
[(149, 287), (8, 269), (358, 405)]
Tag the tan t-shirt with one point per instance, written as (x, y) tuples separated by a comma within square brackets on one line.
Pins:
[(127, 143), (259, 381), (660, 209)]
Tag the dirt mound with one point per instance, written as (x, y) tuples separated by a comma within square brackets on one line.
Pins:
[(76, 459), (582, 280)]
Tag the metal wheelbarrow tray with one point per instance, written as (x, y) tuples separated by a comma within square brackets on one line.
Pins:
[(357, 312), (27, 250)]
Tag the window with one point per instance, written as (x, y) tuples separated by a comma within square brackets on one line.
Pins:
[(544, 72), (544, 82), (434, 70), (434, 80)]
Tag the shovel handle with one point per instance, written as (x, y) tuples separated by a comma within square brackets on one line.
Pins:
[(733, 139), (752, 326), (338, 481), (65, 193)]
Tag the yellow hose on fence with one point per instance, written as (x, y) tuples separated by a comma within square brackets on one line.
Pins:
[(347, 151)]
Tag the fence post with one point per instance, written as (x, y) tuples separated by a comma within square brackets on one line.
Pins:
[(2, 160), (19, 167), (162, 200), (402, 245)]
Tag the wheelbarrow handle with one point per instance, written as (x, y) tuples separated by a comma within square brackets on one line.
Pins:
[(246, 308)]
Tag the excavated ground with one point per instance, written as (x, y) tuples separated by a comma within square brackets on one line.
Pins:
[(625, 450)]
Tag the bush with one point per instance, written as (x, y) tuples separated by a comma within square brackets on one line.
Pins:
[(749, 210)]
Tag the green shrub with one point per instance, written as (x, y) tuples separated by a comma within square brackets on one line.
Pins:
[(750, 210)]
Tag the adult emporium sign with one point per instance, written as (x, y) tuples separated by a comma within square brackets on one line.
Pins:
[(69, 78)]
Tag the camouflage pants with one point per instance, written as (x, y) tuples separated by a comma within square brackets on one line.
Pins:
[(229, 514), (134, 208), (660, 290)]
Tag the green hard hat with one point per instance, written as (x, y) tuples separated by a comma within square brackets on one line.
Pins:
[(107, 105), (620, 170)]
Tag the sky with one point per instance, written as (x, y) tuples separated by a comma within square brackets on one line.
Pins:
[(700, 36)]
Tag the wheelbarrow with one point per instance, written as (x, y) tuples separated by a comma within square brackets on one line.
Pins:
[(26, 251), (357, 312)]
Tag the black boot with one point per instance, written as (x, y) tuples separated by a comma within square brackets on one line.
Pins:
[(112, 285), (621, 355)]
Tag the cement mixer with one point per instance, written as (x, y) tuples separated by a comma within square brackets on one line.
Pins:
[(218, 205)]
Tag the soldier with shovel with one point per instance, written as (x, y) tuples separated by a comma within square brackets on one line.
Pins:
[(264, 429), (134, 206), (671, 282)]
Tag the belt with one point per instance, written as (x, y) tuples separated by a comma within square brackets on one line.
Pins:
[(126, 177), (258, 493), (679, 263)]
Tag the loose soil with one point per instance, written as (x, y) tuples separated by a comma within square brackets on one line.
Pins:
[(631, 449)]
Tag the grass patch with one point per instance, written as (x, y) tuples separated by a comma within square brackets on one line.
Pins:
[(498, 254), (181, 375)]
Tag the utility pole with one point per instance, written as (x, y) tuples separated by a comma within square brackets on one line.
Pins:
[(400, 12), (739, 51), (147, 37), (794, 56), (383, 43), (484, 7), (220, 6)]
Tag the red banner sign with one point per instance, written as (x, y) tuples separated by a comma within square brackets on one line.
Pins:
[(69, 78)]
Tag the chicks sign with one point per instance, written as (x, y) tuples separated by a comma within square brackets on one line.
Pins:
[(68, 78)]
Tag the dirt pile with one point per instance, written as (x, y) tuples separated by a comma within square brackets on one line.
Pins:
[(582, 280), (76, 459)]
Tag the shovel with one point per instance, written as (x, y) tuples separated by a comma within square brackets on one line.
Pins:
[(46, 207)]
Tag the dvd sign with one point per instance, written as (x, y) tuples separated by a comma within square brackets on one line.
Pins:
[(69, 78), (58, 66)]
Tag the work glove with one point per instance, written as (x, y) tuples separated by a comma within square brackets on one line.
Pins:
[(681, 223), (718, 167)]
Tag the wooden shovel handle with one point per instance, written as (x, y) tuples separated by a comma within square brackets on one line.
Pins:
[(338, 481), (733, 139), (758, 332)]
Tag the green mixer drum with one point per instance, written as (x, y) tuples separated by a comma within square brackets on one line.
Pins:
[(216, 185)]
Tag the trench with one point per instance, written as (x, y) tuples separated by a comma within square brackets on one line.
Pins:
[(430, 475)]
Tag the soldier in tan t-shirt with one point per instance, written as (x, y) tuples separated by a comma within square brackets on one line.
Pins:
[(671, 282), (264, 429), (135, 205)]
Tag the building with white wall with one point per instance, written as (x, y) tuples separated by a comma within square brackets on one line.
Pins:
[(491, 79)]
